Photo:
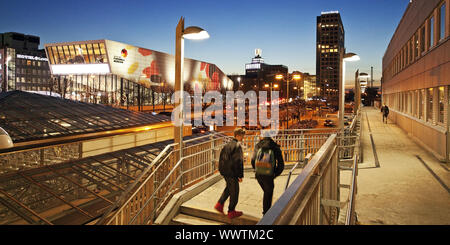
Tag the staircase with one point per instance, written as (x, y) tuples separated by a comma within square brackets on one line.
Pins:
[(190, 215)]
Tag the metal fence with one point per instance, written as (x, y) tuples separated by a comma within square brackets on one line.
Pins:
[(168, 177), (313, 197)]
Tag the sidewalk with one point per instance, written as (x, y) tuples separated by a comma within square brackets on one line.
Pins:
[(403, 190)]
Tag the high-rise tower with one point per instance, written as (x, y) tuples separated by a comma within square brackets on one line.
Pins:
[(330, 50)]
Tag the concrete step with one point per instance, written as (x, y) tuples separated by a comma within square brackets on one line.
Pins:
[(184, 219), (211, 214)]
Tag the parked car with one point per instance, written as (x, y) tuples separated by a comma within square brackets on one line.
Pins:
[(328, 123), (199, 129)]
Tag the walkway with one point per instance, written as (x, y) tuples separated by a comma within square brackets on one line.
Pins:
[(410, 186), (250, 195)]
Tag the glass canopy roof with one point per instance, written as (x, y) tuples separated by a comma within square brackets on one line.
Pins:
[(29, 116)]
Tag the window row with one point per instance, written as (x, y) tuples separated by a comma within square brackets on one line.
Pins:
[(88, 53), (425, 104), (32, 71), (425, 38)]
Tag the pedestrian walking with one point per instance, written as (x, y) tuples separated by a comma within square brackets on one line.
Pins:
[(385, 111), (268, 163), (231, 167)]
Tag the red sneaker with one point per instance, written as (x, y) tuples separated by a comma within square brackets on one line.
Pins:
[(234, 214), (219, 208)]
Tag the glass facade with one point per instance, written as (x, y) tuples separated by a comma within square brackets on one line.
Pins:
[(85, 53), (123, 75)]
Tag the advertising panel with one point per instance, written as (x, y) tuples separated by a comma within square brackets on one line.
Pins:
[(151, 68)]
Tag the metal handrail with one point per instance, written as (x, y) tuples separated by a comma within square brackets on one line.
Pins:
[(147, 169), (281, 211), (165, 180), (353, 190), (131, 187), (295, 166)]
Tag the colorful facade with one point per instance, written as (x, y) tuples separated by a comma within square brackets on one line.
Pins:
[(114, 73)]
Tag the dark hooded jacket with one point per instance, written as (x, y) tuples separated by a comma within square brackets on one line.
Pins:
[(268, 143), (231, 162)]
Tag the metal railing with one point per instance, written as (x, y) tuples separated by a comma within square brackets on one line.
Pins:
[(313, 197), (169, 175), (294, 144), (351, 214), (166, 179)]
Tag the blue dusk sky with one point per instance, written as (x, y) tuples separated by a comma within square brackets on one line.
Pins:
[(284, 30)]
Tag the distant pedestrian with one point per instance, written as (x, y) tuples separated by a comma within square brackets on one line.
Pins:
[(268, 163), (385, 111), (231, 167)]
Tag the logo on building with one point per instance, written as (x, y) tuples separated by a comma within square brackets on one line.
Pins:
[(120, 59), (124, 53)]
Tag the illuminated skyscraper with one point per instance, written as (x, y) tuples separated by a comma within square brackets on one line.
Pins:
[(330, 50)]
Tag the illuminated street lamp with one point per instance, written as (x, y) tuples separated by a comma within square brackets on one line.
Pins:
[(281, 77), (349, 57), (5, 140), (193, 33)]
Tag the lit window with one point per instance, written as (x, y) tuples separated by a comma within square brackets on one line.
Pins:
[(441, 104), (430, 104)]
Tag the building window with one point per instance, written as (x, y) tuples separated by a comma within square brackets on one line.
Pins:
[(422, 39), (442, 22), (441, 104), (416, 45), (421, 104), (431, 32), (430, 104)]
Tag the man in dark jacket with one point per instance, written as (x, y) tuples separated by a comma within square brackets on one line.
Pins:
[(267, 181), (231, 167), (385, 111)]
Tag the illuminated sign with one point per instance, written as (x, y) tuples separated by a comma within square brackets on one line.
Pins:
[(253, 66), (29, 57), (330, 12)]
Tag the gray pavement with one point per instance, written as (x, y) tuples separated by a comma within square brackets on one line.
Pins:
[(402, 190)]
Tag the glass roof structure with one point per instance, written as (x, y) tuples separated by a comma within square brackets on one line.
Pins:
[(75, 192), (29, 116)]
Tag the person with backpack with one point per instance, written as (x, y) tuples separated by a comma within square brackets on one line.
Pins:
[(231, 167), (267, 160)]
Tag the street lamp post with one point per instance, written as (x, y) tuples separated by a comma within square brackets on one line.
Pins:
[(5, 140), (358, 88), (195, 33), (347, 57)]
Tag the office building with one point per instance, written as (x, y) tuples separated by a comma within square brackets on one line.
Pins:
[(23, 66), (330, 50), (260, 76), (416, 75)]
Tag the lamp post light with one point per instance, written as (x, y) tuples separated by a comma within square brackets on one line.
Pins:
[(193, 33), (296, 77), (5, 140), (347, 57)]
